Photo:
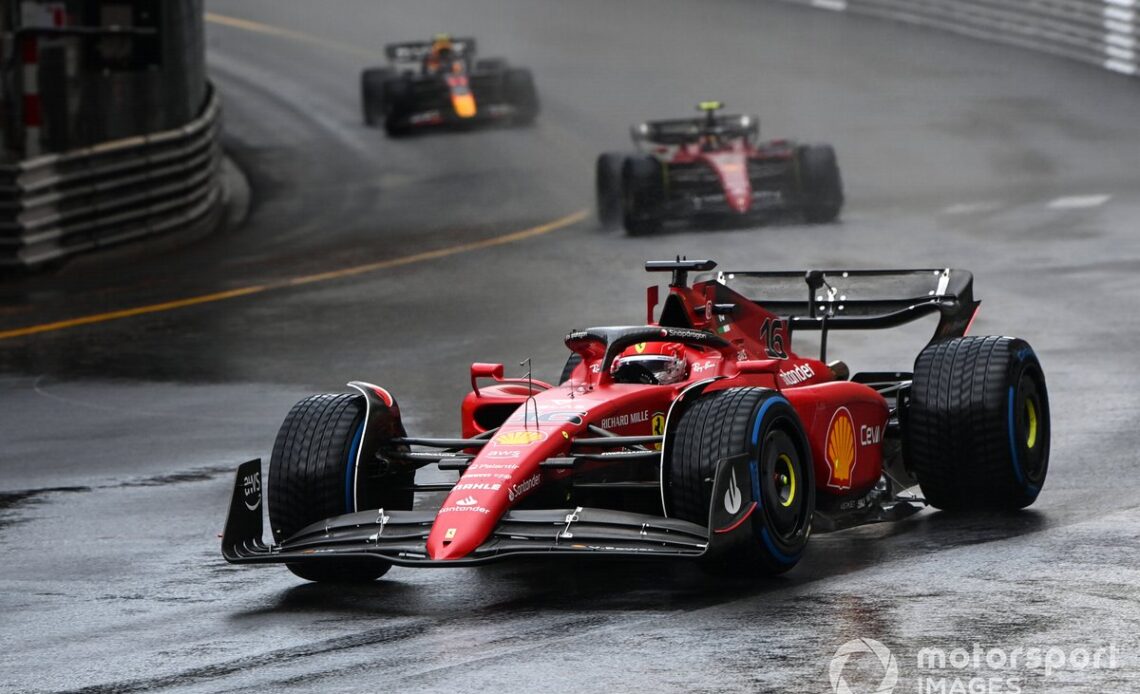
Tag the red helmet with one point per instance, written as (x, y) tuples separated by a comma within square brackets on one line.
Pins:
[(653, 363)]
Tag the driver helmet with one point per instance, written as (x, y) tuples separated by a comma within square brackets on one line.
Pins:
[(711, 142), (441, 43), (651, 363), (441, 52)]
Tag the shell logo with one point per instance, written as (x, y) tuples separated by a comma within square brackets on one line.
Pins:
[(519, 438), (840, 452)]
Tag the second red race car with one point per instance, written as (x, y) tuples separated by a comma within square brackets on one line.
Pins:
[(714, 170), (700, 435)]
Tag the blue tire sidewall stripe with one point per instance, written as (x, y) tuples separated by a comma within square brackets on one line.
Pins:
[(754, 470), (1013, 453), (350, 469)]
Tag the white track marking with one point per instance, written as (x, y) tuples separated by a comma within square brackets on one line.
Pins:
[(972, 207), (1075, 202), (833, 5)]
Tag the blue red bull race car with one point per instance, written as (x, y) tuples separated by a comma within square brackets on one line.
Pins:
[(699, 435), (714, 170), (432, 84)]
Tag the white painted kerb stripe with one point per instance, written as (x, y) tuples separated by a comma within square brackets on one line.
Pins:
[(1073, 202), (833, 5)]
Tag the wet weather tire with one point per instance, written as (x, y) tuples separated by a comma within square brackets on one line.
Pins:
[(821, 183), (572, 363), (762, 425), (977, 427), (310, 478), (643, 194), (373, 86), (399, 103), (491, 65), (608, 187), (518, 86)]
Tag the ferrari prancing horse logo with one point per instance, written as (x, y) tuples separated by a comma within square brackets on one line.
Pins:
[(840, 452)]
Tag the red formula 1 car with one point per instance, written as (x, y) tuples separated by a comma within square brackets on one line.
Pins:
[(700, 435), (714, 169), (436, 84)]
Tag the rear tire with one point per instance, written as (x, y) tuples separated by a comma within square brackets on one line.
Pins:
[(608, 187), (310, 479), (761, 424), (399, 98), (572, 363), (821, 183), (520, 92), (373, 85), (643, 192), (491, 65), (977, 427)]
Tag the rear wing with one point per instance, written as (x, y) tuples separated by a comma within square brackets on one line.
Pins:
[(685, 130), (415, 51), (860, 299)]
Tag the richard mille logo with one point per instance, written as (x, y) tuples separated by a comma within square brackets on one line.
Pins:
[(732, 496)]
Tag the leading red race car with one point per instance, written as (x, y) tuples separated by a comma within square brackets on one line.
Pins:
[(699, 435)]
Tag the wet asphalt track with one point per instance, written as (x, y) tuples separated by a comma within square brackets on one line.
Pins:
[(119, 437)]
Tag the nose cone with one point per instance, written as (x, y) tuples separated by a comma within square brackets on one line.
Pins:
[(464, 105), (733, 171), (464, 522), (503, 472), (739, 200)]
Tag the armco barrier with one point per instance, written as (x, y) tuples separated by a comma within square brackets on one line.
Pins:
[(55, 206), (1105, 33)]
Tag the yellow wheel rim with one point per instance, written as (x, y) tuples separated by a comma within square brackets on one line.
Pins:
[(787, 478), (1030, 424)]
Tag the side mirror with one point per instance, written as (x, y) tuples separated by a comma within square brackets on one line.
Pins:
[(485, 370)]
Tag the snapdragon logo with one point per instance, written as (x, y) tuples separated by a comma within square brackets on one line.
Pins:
[(886, 660)]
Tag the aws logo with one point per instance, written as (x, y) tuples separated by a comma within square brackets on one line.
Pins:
[(519, 438), (840, 452)]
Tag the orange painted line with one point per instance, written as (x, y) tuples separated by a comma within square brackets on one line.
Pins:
[(259, 28), (560, 223), (129, 312)]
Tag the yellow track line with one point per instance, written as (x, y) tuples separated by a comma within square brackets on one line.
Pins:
[(259, 28), (560, 223)]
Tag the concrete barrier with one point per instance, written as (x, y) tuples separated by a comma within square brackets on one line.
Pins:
[(57, 205)]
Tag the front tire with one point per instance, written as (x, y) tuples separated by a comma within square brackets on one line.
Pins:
[(311, 477), (977, 428), (761, 424), (820, 182), (608, 189)]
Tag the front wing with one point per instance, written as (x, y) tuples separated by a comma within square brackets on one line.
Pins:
[(432, 115), (399, 537)]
